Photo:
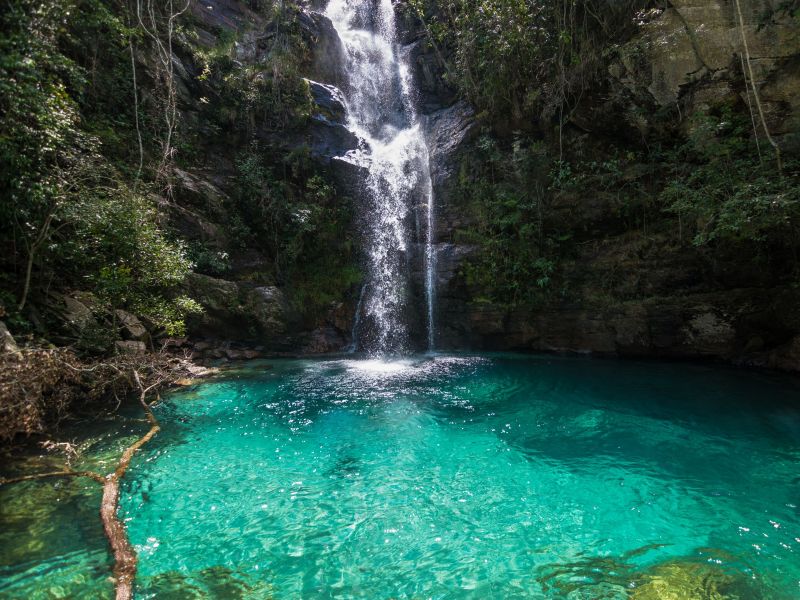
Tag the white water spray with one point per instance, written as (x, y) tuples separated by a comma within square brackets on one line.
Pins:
[(381, 111)]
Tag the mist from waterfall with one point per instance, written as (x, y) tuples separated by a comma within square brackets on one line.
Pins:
[(380, 102)]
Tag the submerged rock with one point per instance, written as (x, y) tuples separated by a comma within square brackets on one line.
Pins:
[(684, 580)]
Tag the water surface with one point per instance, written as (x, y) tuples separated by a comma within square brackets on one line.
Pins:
[(443, 477)]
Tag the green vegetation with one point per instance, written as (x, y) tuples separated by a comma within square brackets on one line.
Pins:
[(520, 58), (91, 134), (269, 95), (530, 68), (299, 221), (281, 203), (507, 195), (70, 216), (89, 192), (729, 193)]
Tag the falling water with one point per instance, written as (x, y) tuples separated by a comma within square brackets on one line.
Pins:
[(357, 321), (380, 103)]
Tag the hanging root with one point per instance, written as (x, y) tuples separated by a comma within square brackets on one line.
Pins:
[(125, 559), (747, 61)]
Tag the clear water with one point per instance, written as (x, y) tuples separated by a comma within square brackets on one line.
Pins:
[(496, 476), (381, 111)]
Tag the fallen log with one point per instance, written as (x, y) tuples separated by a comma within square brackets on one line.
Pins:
[(125, 559)]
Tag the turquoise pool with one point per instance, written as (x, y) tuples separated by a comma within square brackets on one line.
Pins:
[(493, 476)]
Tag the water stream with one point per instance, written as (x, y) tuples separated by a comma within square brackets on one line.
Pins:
[(381, 111)]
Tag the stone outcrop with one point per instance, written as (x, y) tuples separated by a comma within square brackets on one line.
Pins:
[(691, 56), (240, 311), (328, 135)]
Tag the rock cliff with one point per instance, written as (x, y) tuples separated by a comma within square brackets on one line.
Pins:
[(632, 287)]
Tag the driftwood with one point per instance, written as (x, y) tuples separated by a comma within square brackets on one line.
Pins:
[(124, 554), (125, 559)]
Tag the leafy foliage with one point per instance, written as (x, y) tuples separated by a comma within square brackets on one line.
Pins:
[(507, 193), (128, 259), (728, 194), (66, 209), (525, 57), (297, 218), (268, 95)]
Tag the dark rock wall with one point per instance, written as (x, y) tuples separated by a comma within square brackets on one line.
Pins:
[(631, 291)]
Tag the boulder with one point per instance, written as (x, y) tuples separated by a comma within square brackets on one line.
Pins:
[(268, 308), (77, 314), (787, 357), (131, 327), (328, 101), (241, 354), (7, 342), (130, 347), (174, 342), (214, 294), (328, 136), (239, 311)]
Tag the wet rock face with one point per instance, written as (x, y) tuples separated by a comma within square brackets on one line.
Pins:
[(328, 53), (429, 79), (448, 132), (666, 327), (328, 135)]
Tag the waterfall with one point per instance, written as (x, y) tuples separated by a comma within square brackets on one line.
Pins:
[(381, 111)]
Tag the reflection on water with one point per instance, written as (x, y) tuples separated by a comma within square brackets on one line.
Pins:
[(443, 476)]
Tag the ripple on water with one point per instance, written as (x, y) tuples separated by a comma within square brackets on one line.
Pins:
[(457, 476)]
